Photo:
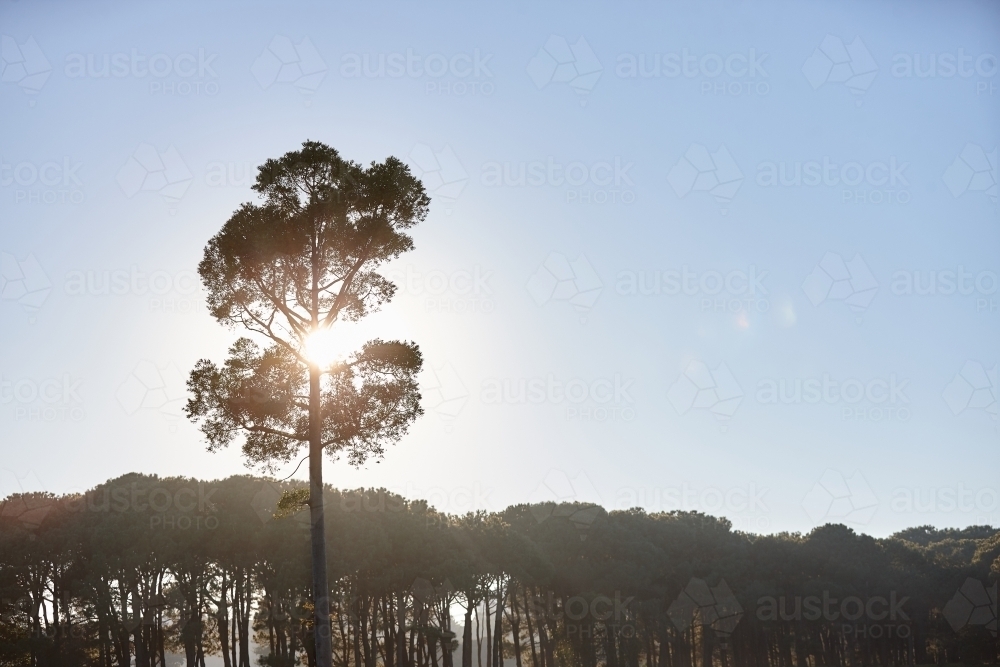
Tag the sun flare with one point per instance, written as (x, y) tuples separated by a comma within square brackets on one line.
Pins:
[(324, 348)]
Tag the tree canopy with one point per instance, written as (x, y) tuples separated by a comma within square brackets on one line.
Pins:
[(147, 566)]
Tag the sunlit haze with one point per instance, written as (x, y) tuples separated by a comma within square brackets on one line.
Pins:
[(737, 258)]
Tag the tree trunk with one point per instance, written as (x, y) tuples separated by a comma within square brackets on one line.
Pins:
[(246, 600), (489, 630), (498, 626), (358, 629), (467, 635), (531, 631), (400, 630), (515, 625), (324, 647)]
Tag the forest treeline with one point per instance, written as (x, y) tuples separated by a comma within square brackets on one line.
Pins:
[(143, 567)]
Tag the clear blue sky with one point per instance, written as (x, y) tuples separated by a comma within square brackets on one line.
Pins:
[(678, 256)]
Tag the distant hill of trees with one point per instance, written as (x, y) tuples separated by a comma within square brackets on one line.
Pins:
[(142, 566)]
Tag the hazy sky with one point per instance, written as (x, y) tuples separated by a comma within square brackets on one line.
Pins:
[(734, 258)]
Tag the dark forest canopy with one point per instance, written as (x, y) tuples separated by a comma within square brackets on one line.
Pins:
[(148, 566)]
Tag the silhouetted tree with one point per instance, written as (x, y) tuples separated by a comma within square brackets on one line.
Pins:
[(287, 270)]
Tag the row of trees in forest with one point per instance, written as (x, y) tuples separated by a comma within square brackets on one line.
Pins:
[(142, 567)]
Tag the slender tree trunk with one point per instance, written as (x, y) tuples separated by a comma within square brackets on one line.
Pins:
[(515, 624), (374, 637), (400, 630), (498, 626), (232, 626), (531, 630), (467, 636), (489, 631), (390, 635), (357, 630), (363, 629), (324, 648), (479, 633), (246, 600), (223, 622)]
